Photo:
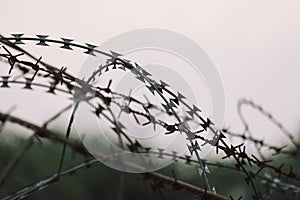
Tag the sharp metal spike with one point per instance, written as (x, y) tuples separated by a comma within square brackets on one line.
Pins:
[(180, 96), (28, 83), (141, 78), (193, 111), (115, 54), (145, 73), (188, 160), (66, 44), (160, 153), (18, 38), (163, 84), (90, 49), (174, 155), (151, 89), (42, 40), (52, 88), (5, 81)]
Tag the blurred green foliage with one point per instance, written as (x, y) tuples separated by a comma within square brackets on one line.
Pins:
[(102, 182)]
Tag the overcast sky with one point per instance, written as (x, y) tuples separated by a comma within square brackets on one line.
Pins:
[(255, 44)]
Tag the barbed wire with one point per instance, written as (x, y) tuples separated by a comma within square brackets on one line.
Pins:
[(85, 91)]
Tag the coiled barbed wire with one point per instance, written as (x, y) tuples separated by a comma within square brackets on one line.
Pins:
[(75, 86)]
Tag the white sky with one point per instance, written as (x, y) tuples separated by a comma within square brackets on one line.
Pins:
[(254, 44)]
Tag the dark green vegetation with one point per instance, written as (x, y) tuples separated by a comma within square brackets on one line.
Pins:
[(101, 182)]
